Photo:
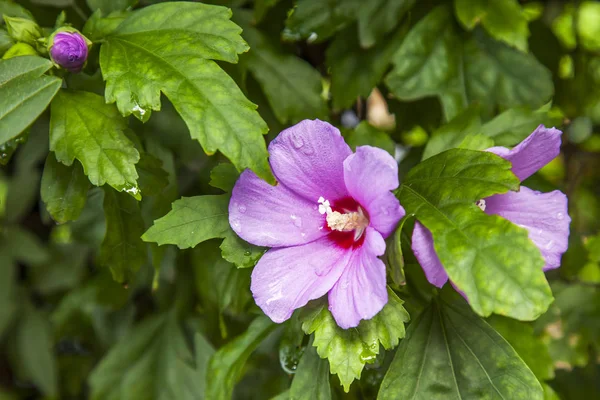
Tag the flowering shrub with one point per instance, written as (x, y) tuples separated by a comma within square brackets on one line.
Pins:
[(299, 199)]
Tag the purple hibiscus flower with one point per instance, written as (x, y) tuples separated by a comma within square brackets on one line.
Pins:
[(544, 215), (69, 50), (326, 220)]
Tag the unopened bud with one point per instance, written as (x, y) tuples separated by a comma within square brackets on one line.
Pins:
[(69, 49)]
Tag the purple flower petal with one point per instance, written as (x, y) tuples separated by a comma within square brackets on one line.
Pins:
[(287, 278), (370, 174), (529, 156), (308, 158), (422, 245), (272, 216), (360, 292), (69, 50), (544, 215)]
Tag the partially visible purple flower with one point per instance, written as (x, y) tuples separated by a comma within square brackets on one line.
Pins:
[(544, 215), (326, 220), (69, 50)]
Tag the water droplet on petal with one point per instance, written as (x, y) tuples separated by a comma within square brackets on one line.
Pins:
[(550, 245), (297, 141), (298, 222), (242, 208), (560, 216)]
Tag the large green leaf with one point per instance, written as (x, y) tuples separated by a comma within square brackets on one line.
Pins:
[(450, 135), (169, 48), (25, 92), (487, 257), (502, 19), (227, 364), (311, 381), (378, 17), (191, 221), (292, 86), (432, 61), (153, 361), (83, 127), (449, 353), (64, 189), (122, 249), (356, 71), (348, 350)]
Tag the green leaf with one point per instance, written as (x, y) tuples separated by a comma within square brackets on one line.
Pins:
[(122, 249), (64, 189), (191, 221), (529, 346), (515, 124), (98, 27), (6, 42), (393, 257), (487, 257), (239, 252), (153, 52), (356, 71), (317, 20), (224, 176), (25, 92), (311, 381), (153, 361), (11, 9), (83, 127), (34, 346), (432, 62), (379, 17), (450, 353), (450, 135), (348, 350), (153, 178), (108, 6), (292, 86), (261, 7), (366, 134), (24, 246), (227, 364), (504, 20)]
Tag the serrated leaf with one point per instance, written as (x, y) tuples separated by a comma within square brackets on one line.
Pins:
[(450, 353), (487, 257), (356, 71), (239, 252), (432, 61), (348, 350), (311, 381), (122, 249), (291, 85), (379, 17), (192, 220), (530, 347), (227, 364), (25, 92), (502, 19), (153, 52), (153, 361), (317, 20), (64, 189), (83, 127)]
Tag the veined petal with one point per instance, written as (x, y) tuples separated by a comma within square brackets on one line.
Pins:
[(272, 216), (422, 245), (287, 278), (370, 174), (544, 215), (529, 156), (360, 292), (309, 158)]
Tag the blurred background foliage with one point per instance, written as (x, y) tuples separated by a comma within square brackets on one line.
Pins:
[(386, 78)]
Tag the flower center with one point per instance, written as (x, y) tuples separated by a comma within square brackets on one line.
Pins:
[(346, 221)]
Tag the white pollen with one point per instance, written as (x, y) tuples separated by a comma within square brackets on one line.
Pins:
[(481, 204)]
